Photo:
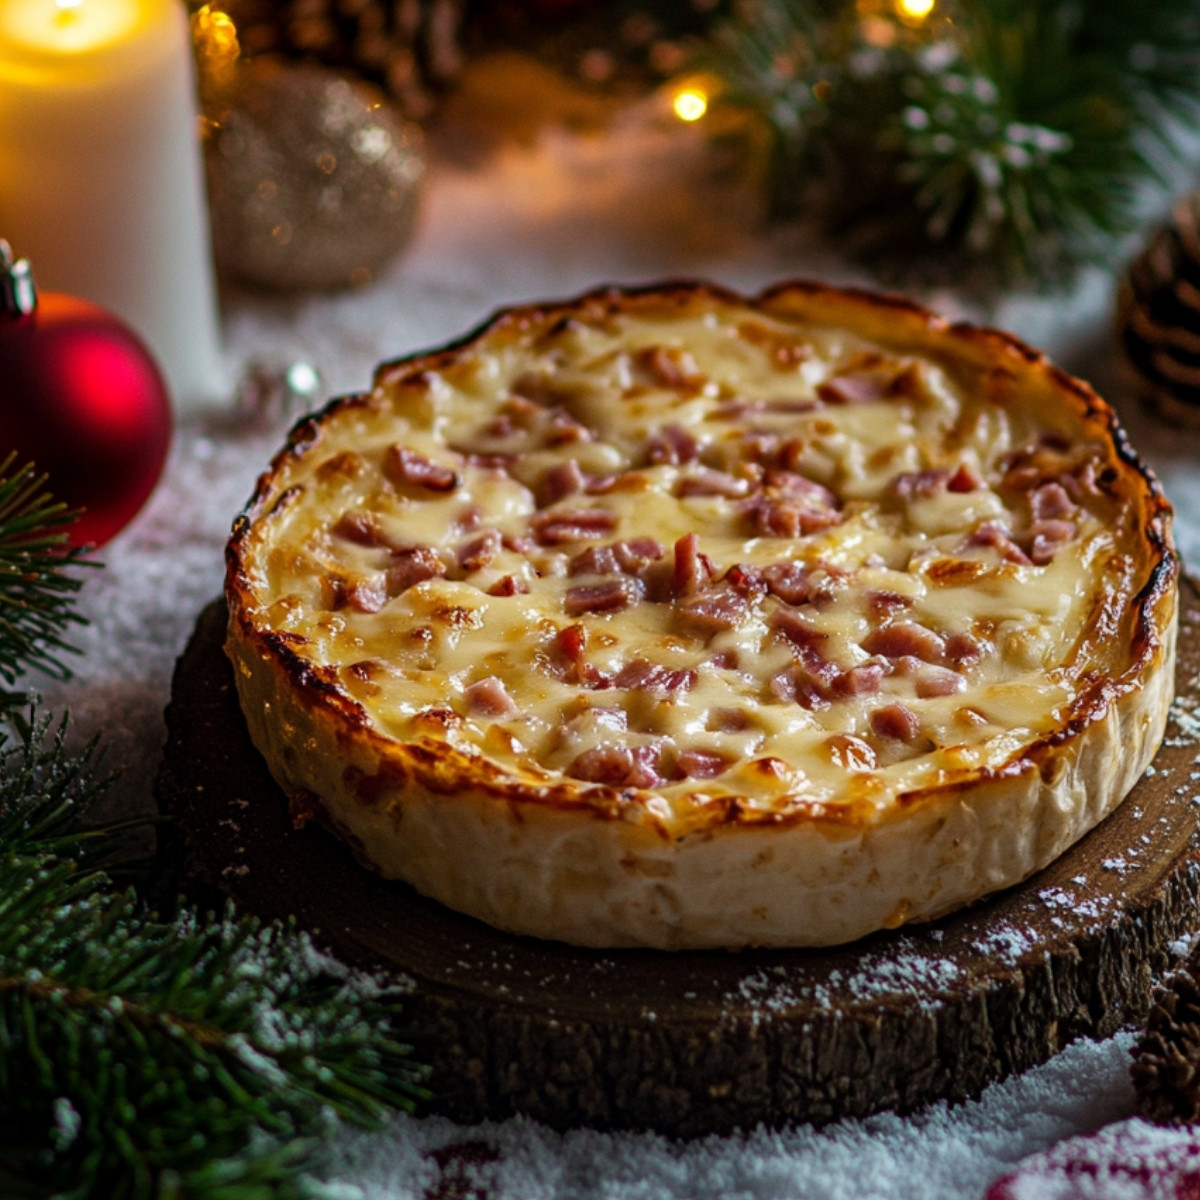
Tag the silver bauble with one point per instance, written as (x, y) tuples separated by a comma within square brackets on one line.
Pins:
[(313, 178)]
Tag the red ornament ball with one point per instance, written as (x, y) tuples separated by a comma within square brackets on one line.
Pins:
[(83, 400)]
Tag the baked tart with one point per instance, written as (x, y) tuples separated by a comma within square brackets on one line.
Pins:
[(668, 617)]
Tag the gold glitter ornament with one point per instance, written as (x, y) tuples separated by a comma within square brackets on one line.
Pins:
[(313, 178)]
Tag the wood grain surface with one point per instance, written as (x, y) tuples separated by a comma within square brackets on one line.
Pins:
[(702, 1042)]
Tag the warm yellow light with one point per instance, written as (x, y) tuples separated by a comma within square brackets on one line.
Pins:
[(215, 37), (690, 104), (68, 5), (914, 10)]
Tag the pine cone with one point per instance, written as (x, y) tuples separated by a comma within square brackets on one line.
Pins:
[(1159, 316), (410, 48), (1166, 1066)]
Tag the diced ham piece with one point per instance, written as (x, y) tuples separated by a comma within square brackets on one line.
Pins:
[(713, 610), (1047, 538), (620, 481), (704, 481), (480, 551), (367, 595), (858, 388), (1089, 479), (572, 642), (627, 557), (1022, 477), (788, 518), (794, 686), (736, 410), (410, 567), (793, 407), (619, 766), (470, 518), (518, 545), (560, 481), (563, 429), (558, 526), (595, 560), (907, 666), (672, 445), (964, 479), (963, 649), (636, 553), (728, 720), (693, 570), (570, 645), (489, 698), (863, 680), (522, 409), (543, 389), (508, 585), (918, 485), (613, 595), (791, 454), (783, 350), (1050, 502), (938, 681), (696, 763), (360, 528), (884, 603), (789, 581), (645, 771), (747, 578), (500, 427), (669, 367), (806, 644), (405, 466), (795, 628), (992, 533), (895, 721), (792, 483), (758, 447), (906, 638), (792, 506), (639, 675)]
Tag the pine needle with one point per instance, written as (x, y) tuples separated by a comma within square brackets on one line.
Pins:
[(37, 586), (142, 1058), (1013, 138)]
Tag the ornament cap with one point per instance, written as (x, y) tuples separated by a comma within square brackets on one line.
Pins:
[(18, 296)]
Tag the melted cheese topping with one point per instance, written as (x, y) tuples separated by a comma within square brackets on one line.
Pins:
[(746, 559)]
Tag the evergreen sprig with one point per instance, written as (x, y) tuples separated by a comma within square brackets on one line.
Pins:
[(37, 586), (1013, 137), (142, 1058), (157, 1059)]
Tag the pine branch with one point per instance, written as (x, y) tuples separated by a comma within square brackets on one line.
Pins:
[(142, 1058), (45, 792), (35, 580), (1000, 134)]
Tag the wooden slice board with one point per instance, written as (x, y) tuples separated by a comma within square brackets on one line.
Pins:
[(702, 1042)]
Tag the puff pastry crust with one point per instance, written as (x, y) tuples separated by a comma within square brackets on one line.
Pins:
[(669, 617)]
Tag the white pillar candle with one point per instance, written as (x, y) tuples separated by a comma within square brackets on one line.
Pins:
[(100, 172)]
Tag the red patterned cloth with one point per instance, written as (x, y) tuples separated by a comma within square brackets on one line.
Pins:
[(1129, 1160)]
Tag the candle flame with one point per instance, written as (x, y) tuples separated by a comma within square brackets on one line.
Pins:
[(914, 11), (690, 104)]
